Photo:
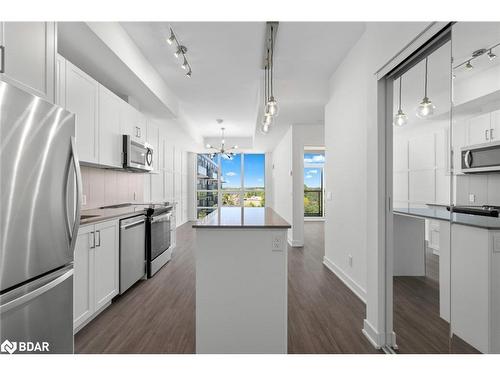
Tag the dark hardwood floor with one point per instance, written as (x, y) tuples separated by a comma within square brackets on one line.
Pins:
[(158, 315), (418, 326)]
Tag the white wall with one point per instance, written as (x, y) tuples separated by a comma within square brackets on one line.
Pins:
[(282, 179), (288, 176), (421, 165), (352, 164)]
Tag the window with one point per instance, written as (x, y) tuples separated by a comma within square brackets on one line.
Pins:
[(313, 184), (241, 182), (231, 180), (253, 180)]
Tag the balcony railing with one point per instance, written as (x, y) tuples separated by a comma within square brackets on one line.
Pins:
[(313, 203)]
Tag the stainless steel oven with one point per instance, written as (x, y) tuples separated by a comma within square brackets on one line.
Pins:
[(158, 238), (483, 158), (137, 156)]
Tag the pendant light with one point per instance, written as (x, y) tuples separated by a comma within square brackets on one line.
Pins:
[(425, 108), (267, 119), (400, 118), (272, 104)]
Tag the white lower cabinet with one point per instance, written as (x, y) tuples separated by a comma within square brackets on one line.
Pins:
[(475, 287), (96, 279)]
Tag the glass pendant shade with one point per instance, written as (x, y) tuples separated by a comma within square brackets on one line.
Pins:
[(272, 107), (267, 120), (425, 108), (264, 129), (400, 118)]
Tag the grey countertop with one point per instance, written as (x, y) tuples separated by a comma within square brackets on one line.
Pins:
[(247, 217), (103, 214), (440, 213)]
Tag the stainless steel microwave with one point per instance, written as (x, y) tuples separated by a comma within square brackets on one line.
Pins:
[(137, 156), (483, 158)]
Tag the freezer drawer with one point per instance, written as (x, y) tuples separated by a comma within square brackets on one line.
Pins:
[(38, 317)]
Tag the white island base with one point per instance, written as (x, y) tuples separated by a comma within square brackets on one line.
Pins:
[(241, 288)]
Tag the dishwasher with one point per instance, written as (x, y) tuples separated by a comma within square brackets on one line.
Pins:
[(132, 251)]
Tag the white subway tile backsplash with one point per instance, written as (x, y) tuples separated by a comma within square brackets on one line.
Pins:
[(494, 189), (485, 188), (478, 185), (104, 187)]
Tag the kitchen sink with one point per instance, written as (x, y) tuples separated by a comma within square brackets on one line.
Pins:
[(83, 217)]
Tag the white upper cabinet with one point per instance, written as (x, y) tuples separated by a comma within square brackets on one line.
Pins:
[(60, 92), (81, 98), (495, 126), (134, 122), (29, 54), (153, 138), (110, 139), (480, 129)]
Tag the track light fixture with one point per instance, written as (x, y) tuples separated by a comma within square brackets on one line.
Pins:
[(467, 64), (171, 38), (180, 50), (491, 55), (271, 108), (185, 64)]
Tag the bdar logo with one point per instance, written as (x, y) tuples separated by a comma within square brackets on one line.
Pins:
[(8, 347)]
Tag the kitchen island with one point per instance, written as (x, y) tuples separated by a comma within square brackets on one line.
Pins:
[(241, 281)]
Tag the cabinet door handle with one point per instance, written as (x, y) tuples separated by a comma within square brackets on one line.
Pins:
[(2, 59), (98, 238), (486, 134), (92, 240)]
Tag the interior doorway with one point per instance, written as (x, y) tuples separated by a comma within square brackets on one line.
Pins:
[(314, 188)]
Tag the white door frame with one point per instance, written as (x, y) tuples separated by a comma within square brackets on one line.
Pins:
[(378, 326)]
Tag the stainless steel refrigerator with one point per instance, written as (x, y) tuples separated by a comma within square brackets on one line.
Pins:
[(40, 188)]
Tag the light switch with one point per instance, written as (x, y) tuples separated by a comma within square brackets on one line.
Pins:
[(329, 195), (472, 198)]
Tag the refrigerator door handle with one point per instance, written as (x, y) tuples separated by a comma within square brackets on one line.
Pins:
[(73, 231), (35, 293)]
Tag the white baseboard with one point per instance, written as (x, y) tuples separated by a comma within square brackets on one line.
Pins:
[(295, 243), (312, 218), (351, 284), (372, 335)]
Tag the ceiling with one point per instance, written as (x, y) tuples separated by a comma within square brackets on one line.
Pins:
[(226, 58)]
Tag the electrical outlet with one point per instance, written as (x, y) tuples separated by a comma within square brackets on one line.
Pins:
[(350, 260), (84, 199), (472, 198), (277, 243)]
